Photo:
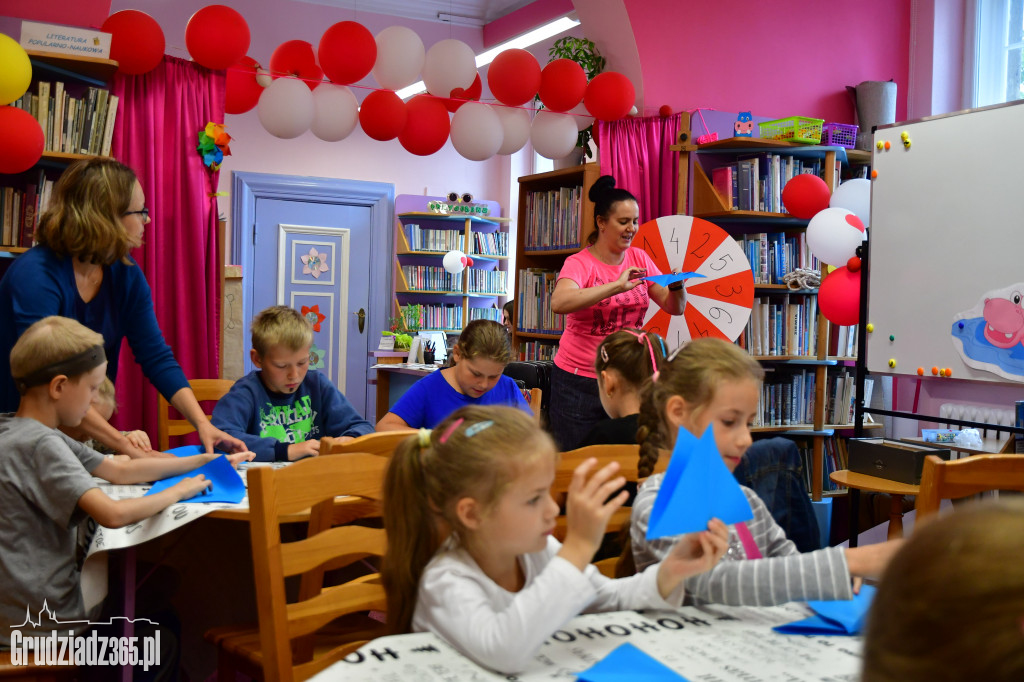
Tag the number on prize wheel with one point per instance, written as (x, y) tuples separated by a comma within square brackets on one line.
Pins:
[(717, 304)]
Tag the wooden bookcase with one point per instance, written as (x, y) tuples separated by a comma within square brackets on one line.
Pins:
[(450, 307), (555, 218)]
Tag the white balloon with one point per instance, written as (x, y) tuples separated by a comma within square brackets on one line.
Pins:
[(335, 112), (583, 117), (286, 108), (449, 64), (515, 125), (854, 195), (553, 135), (832, 238), (476, 131), (400, 56), (454, 261)]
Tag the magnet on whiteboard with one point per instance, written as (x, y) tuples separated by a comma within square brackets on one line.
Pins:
[(892, 362)]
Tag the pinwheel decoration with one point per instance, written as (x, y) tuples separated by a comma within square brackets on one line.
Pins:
[(213, 145)]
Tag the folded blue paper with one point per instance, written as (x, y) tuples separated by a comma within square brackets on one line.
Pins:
[(665, 280), (227, 485), (627, 662), (846, 617), (696, 488)]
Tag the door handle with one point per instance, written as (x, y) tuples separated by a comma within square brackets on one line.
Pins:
[(362, 319)]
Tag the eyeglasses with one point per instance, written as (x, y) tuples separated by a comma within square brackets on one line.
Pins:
[(142, 212)]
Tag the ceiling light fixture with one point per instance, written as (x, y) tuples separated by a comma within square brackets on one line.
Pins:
[(526, 40)]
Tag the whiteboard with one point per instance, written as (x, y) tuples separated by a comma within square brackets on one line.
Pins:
[(947, 232)]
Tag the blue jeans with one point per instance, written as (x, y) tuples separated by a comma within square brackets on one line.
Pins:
[(574, 408)]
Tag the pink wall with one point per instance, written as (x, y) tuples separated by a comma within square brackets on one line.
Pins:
[(779, 58), (89, 13)]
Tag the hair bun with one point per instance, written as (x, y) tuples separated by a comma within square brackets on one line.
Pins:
[(603, 184)]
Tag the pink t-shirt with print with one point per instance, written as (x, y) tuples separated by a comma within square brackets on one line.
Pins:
[(586, 328)]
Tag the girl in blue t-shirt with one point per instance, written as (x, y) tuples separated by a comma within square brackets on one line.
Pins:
[(475, 378)]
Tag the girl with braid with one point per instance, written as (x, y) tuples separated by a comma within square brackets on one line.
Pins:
[(710, 381)]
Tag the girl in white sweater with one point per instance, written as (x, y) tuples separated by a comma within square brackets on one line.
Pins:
[(499, 585)]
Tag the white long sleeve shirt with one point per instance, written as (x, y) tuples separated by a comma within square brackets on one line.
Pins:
[(504, 630)]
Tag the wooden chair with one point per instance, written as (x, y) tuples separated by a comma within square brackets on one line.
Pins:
[(292, 642), (381, 443), (205, 390), (533, 399), (942, 480)]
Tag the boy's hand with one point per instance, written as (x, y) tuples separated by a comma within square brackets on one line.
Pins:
[(692, 555), (239, 457), (190, 486), (139, 439), (309, 448), (588, 510)]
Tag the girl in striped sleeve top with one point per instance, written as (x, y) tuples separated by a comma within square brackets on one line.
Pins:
[(710, 381)]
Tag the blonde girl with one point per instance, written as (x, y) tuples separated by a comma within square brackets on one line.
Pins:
[(499, 585), (713, 382)]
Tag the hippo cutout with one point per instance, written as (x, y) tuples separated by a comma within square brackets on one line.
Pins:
[(990, 336)]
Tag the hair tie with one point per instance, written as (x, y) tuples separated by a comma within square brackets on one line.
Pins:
[(604, 354), (478, 427), (645, 336), (654, 377), (424, 438), (450, 430)]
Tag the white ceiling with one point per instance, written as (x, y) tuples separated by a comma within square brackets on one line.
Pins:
[(464, 12)]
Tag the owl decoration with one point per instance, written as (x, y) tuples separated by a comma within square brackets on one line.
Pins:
[(744, 125)]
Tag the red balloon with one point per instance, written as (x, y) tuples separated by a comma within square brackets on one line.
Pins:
[(514, 77), (382, 115), (21, 140), (242, 92), (428, 126), (347, 52), (805, 195), (296, 58), (853, 265), (562, 84), (839, 296), (217, 36), (136, 41), (609, 96), (664, 110), (460, 96)]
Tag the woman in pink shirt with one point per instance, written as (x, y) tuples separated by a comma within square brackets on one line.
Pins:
[(600, 291)]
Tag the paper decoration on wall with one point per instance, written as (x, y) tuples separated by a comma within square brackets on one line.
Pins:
[(316, 357), (990, 336), (314, 263), (313, 316), (744, 126), (213, 145)]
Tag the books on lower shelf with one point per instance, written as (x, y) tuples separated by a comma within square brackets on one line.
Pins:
[(782, 325), (842, 341), (72, 125), (486, 281), (535, 289), (773, 255), (493, 313), (553, 219), (440, 316), (834, 458), (431, 278), (20, 209), (755, 182), (787, 400), (537, 350)]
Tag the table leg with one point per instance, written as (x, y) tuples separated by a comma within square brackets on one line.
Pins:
[(854, 515), (895, 516), (383, 393)]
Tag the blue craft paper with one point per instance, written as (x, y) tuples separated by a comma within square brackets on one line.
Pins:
[(665, 280), (842, 617), (697, 487), (227, 484), (627, 662)]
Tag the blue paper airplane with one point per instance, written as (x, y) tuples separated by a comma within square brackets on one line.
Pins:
[(665, 280), (627, 662), (227, 484), (843, 617), (697, 487)]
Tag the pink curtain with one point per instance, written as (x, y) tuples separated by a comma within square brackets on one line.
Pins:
[(635, 151), (159, 118)]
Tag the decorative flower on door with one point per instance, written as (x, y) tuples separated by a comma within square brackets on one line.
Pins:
[(313, 263), (313, 315), (316, 357)]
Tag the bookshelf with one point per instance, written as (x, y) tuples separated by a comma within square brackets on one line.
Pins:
[(555, 217), (68, 97), (736, 183), (422, 238)]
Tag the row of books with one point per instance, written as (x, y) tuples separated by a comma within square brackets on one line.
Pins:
[(432, 240), (432, 278), (486, 281), (840, 394), (755, 183), (441, 316), (493, 313), (72, 125), (553, 219), (842, 341), (20, 210), (787, 401), (535, 289), (537, 350), (490, 243), (773, 255), (782, 325), (834, 458)]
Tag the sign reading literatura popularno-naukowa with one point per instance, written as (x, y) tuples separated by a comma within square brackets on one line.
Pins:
[(82, 42)]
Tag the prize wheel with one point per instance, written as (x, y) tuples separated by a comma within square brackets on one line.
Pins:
[(717, 304)]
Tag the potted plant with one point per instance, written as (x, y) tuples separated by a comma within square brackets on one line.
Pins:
[(584, 53)]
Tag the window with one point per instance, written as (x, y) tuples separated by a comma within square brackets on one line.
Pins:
[(998, 44)]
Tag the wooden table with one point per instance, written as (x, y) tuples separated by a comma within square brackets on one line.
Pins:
[(857, 482), (384, 373), (989, 446)]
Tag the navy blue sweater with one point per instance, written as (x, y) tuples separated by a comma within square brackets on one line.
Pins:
[(269, 422)]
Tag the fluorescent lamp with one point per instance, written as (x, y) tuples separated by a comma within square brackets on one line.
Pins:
[(533, 37)]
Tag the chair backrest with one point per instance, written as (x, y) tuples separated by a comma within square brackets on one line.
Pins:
[(534, 400), (274, 494), (942, 480), (205, 390), (381, 443)]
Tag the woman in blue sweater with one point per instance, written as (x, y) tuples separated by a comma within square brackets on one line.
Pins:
[(81, 268)]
